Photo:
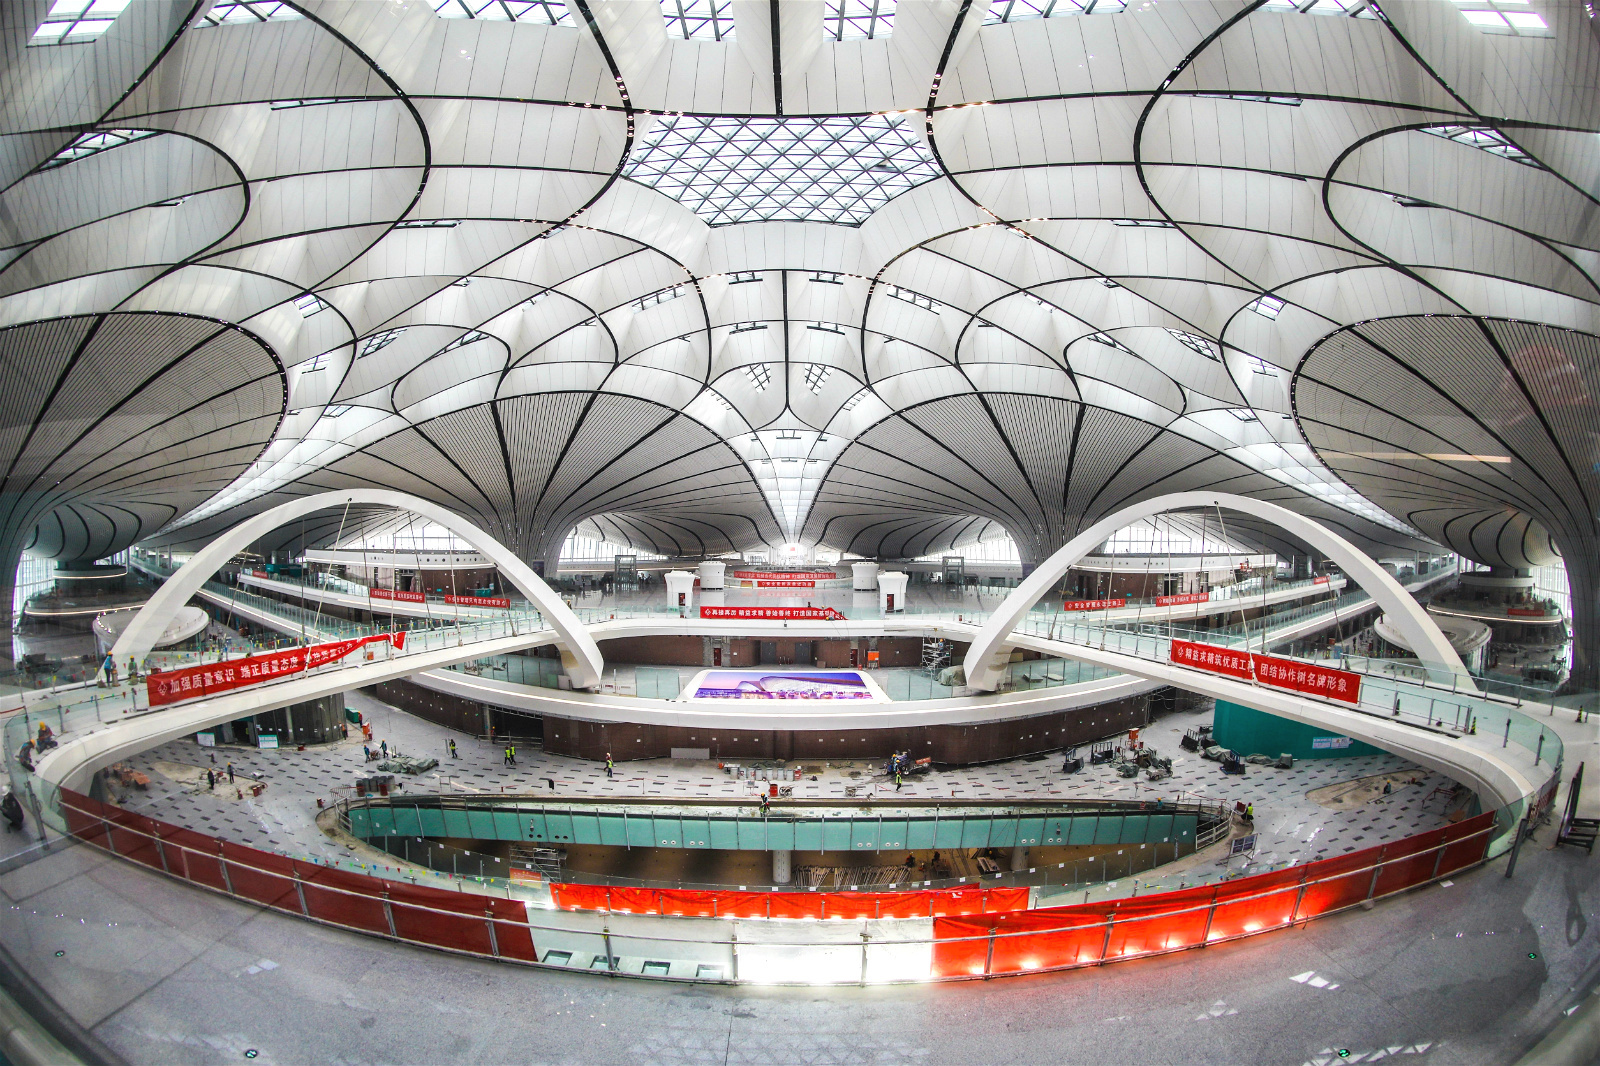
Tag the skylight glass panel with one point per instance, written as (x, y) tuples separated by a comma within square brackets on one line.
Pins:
[(698, 20), (540, 12), (728, 169), (743, 277), (309, 305), (77, 21), (1267, 306), (1193, 343), (1510, 17), (1021, 10), (93, 144), (760, 375), (827, 277), (1039, 302), (746, 327), (1260, 366), (1252, 98), (1485, 139), (914, 298), (1244, 414), (817, 376), (379, 340), (319, 362), (857, 20), (428, 223), (1144, 223), (1361, 9), (471, 336), (655, 298), (723, 400), (829, 327), (852, 402), (1110, 342), (336, 410), (1108, 283), (246, 12)]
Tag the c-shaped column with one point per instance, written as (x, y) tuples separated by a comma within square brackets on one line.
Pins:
[(581, 654)]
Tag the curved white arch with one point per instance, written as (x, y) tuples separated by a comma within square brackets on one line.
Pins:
[(582, 659), (1428, 641)]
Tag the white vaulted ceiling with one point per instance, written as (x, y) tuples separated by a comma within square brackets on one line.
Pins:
[(714, 275)]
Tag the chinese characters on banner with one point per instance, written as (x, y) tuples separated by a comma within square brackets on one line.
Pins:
[(171, 686), (391, 594), (1187, 597), (1280, 673), (822, 613), (1319, 580), (785, 575), (1094, 605), (479, 601)]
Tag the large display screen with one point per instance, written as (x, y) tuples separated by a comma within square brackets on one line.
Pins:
[(778, 683)]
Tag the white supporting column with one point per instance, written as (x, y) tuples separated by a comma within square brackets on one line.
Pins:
[(712, 576), (863, 576), (680, 590), (892, 586), (781, 871)]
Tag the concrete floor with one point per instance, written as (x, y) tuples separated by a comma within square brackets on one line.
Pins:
[(163, 973), (1290, 826)]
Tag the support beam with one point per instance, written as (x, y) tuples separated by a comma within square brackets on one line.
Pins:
[(985, 658)]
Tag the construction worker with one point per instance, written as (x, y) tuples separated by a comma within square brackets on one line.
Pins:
[(610, 767), (452, 747), (898, 780), (513, 751)]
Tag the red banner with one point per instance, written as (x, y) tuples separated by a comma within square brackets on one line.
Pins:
[(1319, 580), (1094, 605), (479, 601), (1281, 673), (391, 594), (827, 614), (1526, 612), (1211, 658), (172, 686), (786, 575), (1187, 597), (1308, 678)]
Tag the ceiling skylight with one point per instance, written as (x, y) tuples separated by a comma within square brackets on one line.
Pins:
[(93, 144), (244, 12), (856, 20), (828, 169), (1361, 9), (1484, 138), (77, 21), (698, 20), (539, 12), (1510, 17), (1195, 344), (1020, 10)]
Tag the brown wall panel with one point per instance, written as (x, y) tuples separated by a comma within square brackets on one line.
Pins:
[(655, 651), (952, 745)]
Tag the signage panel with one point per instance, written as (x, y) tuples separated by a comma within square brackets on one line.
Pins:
[(1309, 678)]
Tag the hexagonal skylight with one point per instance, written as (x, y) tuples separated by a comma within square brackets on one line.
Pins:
[(827, 169)]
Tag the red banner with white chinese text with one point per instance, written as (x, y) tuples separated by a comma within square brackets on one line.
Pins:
[(479, 601), (191, 682), (827, 614), (391, 594), (1094, 605), (1187, 597), (1280, 673)]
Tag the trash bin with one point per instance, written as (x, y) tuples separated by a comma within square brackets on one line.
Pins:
[(772, 789)]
